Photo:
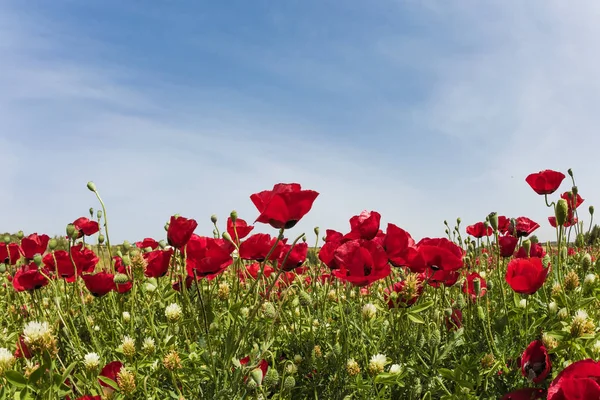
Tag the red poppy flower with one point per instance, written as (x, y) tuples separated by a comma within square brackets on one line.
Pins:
[(61, 263), (86, 227), (455, 320), (479, 230), (535, 362), (22, 350), (525, 394), (526, 275), (240, 230), (507, 245), (100, 283), (362, 262), (207, 256), (571, 220), (180, 231), (34, 244), (110, 371), (503, 224), (263, 365), (29, 277), (9, 253), (333, 240), (295, 259), (157, 262), (546, 181), (284, 205), (536, 250), (90, 397), (524, 226), (254, 269), (257, 246), (573, 202), (399, 246), (147, 242), (469, 286), (437, 254), (580, 380), (176, 284), (364, 226), (436, 277)]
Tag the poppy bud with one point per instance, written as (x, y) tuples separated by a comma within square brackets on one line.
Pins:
[(489, 285), (460, 302), (6, 239), (527, 246), (225, 235), (445, 222), (448, 312), (126, 245), (2, 268), (213, 219), (317, 231), (120, 279), (304, 239), (458, 221), (234, 216), (70, 230), (91, 186), (257, 375), (126, 260), (480, 313), (119, 253), (166, 226), (586, 261), (99, 214), (575, 191), (91, 212), (52, 244), (493, 218), (561, 212), (477, 286), (101, 238), (162, 244), (570, 172), (580, 240), (37, 259), (591, 210)]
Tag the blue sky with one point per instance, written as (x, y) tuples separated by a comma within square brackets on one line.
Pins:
[(421, 110)]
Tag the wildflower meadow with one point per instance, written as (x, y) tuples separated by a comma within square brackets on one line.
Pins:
[(486, 311)]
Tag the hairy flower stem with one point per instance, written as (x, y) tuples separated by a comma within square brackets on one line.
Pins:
[(104, 215)]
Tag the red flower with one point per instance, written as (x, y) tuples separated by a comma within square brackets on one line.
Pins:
[(503, 224), (60, 262), (34, 244), (86, 227), (30, 278), (545, 182), (364, 226), (469, 286), (479, 230), (399, 246), (22, 349), (405, 297), (437, 254), (580, 380), (110, 371), (284, 205), (207, 256), (257, 246), (526, 275), (524, 226), (9, 253), (362, 262), (158, 263), (100, 283), (437, 277), (573, 202), (295, 259), (333, 240), (254, 269), (147, 242), (525, 394), (507, 245), (571, 220), (90, 397), (240, 227), (455, 320), (263, 365), (536, 250), (535, 362), (180, 231)]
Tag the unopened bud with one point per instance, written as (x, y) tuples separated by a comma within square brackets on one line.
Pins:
[(233, 215), (304, 239), (561, 212), (119, 253), (101, 238), (570, 172), (70, 230), (477, 286), (213, 219), (20, 235), (120, 278), (480, 313), (493, 218), (91, 212), (91, 186), (167, 226), (6, 239), (527, 246), (126, 260), (99, 214), (52, 244), (162, 244), (591, 210), (225, 235), (458, 221), (37, 259), (126, 245), (257, 375)]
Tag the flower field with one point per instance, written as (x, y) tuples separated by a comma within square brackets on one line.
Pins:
[(484, 312)]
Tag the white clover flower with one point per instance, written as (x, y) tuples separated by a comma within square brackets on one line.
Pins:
[(6, 360), (368, 311), (91, 361), (377, 362), (395, 369), (523, 303), (150, 287), (35, 332), (148, 345), (126, 316), (589, 279), (173, 312), (580, 316), (553, 307)]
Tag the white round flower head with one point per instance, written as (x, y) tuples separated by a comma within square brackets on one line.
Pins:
[(395, 369), (126, 316), (589, 279), (553, 307), (523, 303), (596, 347), (173, 312), (35, 332), (6, 360), (91, 360), (580, 315), (368, 311), (377, 362)]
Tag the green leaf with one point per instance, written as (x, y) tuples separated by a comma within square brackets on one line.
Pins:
[(68, 371), (109, 382), (16, 379), (421, 307), (415, 318), (35, 376)]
